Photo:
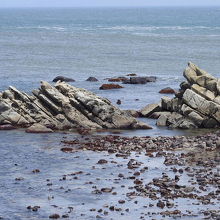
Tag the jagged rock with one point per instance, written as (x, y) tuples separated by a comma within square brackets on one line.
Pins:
[(176, 120), (92, 79), (110, 86), (166, 103), (150, 109), (38, 128), (162, 120), (205, 93), (198, 103), (63, 107), (156, 115), (63, 79), (133, 113)]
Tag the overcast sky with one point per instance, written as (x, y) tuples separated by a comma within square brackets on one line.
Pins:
[(103, 3)]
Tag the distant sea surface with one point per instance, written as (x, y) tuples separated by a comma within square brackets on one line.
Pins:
[(39, 44)]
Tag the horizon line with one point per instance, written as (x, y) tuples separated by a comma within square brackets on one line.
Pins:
[(99, 6)]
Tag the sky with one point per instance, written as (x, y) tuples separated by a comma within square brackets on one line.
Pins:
[(105, 3)]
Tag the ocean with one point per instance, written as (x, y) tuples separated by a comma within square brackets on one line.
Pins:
[(40, 44)]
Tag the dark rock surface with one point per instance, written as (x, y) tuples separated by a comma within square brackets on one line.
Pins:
[(92, 79), (63, 79), (140, 80)]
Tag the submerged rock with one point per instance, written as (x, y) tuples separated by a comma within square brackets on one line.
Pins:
[(63, 79), (62, 107), (167, 90), (110, 86), (92, 79), (118, 79), (140, 80), (38, 128)]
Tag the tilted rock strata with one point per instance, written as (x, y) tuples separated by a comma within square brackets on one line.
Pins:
[(196, 105), (63, 107)]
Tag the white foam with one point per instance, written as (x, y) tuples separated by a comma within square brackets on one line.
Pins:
[(154, 28)]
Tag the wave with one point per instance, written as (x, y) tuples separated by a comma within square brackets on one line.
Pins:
[(53, 28), (139, 30), (155, 28)]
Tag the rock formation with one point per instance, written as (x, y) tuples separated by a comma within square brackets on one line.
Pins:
[(196, 105), (62, 107)]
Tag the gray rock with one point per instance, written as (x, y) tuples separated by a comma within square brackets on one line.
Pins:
[(166, 104), (38, 128), (162, 120), (149, 110), (63, 107), (156, 115)]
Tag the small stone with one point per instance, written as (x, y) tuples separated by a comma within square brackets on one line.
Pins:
[(54, 216), (102, 161), (121, 201)]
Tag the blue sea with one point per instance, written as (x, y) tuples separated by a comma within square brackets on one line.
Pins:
[(40, 44)]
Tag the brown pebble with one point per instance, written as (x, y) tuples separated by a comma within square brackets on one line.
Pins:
[(36, 171), (121, 201), (102, 161), (54, 216), (112, 208)]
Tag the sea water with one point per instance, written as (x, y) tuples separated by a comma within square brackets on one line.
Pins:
[(39, 44)]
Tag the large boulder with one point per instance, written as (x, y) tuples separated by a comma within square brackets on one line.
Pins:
[(150, 109)]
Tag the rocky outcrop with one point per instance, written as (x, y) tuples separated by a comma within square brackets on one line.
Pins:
[(196, 105), (62, 107)]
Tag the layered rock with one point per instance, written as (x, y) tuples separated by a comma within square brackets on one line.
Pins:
[(62, 107), (196, 105)]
